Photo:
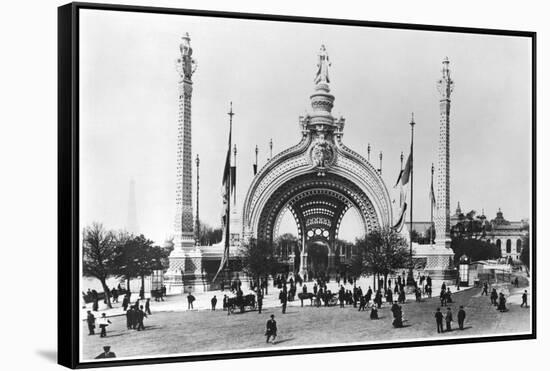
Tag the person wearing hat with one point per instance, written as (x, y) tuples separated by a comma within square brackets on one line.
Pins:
[(106, 353), (103, 323), (448, 319), (91, 323), (439, 320), (461, 316), (271, 330), (523, 299)]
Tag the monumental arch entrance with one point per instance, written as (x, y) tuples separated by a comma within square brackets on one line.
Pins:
[(317, 180)]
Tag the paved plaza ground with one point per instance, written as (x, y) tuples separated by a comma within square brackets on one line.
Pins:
[(173, 332)]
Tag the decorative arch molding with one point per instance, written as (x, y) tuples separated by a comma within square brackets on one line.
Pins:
[(293, 164)]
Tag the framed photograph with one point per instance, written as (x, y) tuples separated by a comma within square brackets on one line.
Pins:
[(242, 185)]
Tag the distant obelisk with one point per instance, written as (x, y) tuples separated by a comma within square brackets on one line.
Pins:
[(185, 260), (131, 223)]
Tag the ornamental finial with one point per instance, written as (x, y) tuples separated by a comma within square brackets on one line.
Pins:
[(445, 84), (186, 64)]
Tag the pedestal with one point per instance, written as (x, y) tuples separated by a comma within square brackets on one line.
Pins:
[(185, 273), (439, 261)]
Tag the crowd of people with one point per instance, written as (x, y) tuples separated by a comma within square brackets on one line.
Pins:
[(392, 291), (135, 313)]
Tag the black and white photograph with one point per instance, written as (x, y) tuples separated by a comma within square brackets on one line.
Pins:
[(250, 185)]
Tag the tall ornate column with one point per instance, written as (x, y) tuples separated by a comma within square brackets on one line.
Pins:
[(442, 219), (441, 260), (185, 260)]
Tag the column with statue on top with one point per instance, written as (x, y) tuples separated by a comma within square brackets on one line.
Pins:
[(185, 271)]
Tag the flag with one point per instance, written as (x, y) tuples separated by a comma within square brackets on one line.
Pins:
[(432, 195), (406, 172), (233, 178), (227, 186), (398, 178), (255, 168), (401, 222)]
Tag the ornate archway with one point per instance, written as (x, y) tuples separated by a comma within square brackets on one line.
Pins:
[(317, 180)]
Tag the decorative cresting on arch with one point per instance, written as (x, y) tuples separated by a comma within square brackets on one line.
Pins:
[(320, 163)]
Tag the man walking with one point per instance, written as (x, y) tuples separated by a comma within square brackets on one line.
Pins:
[(140, 314), (103, 323), (260, 301), (271, 330), (485, 289), (494, 296), (523, 300), (213, 302), (461, 316), (439, 320), (91, 323), (448, 319), (148, 306), (190, 300), (341, 296), (125, 302), (284, 300), (130, 318)]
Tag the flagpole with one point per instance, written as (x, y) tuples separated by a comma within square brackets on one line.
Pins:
[(410, 277), (256, 161), (197, 220), (228, 192), (432, 206), (233, 180)]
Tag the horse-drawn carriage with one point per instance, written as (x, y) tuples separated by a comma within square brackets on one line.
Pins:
[(241, 302), (327, 298)]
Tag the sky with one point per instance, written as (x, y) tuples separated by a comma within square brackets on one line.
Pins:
[(129, 103)]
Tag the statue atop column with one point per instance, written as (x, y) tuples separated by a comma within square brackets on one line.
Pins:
[(322, 67), (186, 64)]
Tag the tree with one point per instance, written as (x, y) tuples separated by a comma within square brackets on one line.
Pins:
[(98, 253), (137, 257), (209, 236), (381, 252), (470, 226), (259, 259), (475, 249)]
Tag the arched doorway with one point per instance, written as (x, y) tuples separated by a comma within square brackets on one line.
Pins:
[(317, 262)]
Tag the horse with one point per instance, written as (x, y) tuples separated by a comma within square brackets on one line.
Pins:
[(304, 296)]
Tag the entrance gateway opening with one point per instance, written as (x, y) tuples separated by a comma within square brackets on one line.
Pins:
[(317, 181)]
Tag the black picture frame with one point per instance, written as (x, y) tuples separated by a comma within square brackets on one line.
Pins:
[(68, 183)]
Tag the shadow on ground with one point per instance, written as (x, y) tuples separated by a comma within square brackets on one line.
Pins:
[(50, 355)]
